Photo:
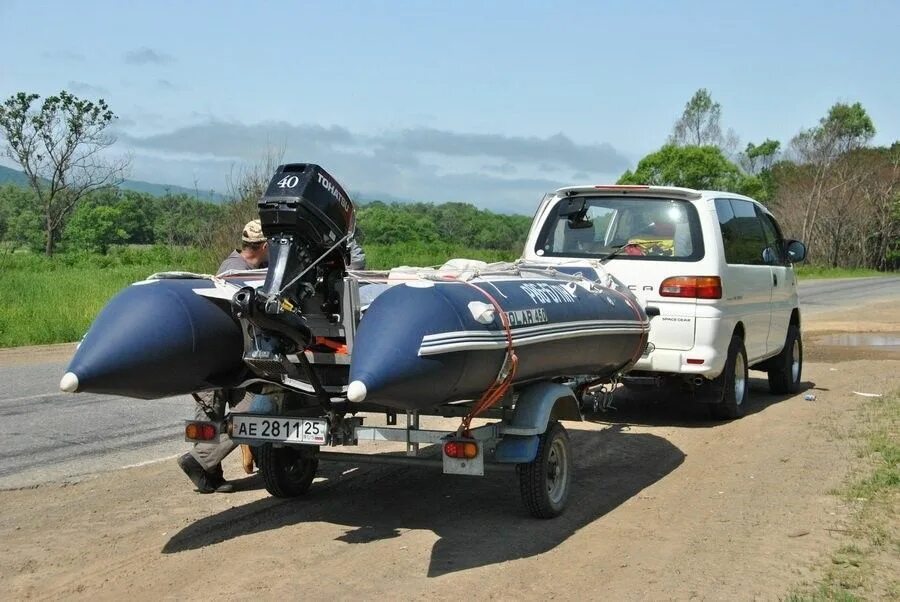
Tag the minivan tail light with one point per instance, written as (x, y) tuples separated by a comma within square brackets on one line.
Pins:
[(692, 287)]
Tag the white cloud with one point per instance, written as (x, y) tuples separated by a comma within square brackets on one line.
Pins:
[(502, 173), (147, 56)]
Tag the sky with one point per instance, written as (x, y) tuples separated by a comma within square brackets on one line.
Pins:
[(492, 103)]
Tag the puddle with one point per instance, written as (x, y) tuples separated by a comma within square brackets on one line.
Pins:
[(885, 342)]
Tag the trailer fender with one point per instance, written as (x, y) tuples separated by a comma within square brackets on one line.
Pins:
[(516, 449), (537, 404)]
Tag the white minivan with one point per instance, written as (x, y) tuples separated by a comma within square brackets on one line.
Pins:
[(712, 270)]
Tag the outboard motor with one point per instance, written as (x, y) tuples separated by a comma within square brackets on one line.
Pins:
[(308, 219)]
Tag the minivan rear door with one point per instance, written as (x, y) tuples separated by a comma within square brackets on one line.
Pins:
[(651, 238)]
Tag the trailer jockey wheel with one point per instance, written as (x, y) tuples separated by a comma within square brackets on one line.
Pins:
[(545, 481), (285, 470)]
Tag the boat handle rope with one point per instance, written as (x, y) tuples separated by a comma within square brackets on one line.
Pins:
[(505, 375)]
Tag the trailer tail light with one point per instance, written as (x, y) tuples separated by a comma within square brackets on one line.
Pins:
[(463, 450), (200, 431), (692, 287)]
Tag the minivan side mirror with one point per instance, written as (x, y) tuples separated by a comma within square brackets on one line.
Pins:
[(795, 250)]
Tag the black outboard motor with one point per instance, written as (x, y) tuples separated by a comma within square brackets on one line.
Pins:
[(308, 219)]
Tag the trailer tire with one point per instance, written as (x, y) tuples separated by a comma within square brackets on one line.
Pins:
[(545, 481), (285, 471)]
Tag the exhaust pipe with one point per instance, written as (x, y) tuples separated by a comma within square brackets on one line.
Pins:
[(698, 381)]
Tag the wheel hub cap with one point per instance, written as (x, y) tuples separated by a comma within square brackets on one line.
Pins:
[(795, 362), (740, 379)]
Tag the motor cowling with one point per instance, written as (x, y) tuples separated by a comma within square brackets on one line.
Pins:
[(304, 213), (304, 200)]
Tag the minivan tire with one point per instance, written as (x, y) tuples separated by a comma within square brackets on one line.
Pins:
[(731, 388), (786, 368)]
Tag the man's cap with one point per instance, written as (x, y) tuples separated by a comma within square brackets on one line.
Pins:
[(253, 232)]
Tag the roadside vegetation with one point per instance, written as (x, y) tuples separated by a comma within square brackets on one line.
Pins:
[(867, 565), (811, 272)]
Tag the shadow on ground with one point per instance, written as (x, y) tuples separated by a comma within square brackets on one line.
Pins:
[(675, 408), (480, 521)]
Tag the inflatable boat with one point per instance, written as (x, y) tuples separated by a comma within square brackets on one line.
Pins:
[(447, 335)]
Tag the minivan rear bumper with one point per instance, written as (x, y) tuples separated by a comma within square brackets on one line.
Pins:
[(704, 358)]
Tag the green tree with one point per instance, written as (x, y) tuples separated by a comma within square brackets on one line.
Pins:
[(59, 144), (700, 167), (383, 224), (95, 228), (183, 220), (761, 157), (14, 202), (700, 123)]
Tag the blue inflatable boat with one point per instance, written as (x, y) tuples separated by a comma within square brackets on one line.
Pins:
[(442, 337)]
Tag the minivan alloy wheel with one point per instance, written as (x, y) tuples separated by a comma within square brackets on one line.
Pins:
[(740, 379), (795, 361)]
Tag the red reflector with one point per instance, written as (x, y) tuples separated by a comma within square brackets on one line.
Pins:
[(694, 361), (207, 432), (692, 287), (452, 449)]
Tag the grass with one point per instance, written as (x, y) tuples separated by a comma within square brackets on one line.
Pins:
[(810, 272), (55, 300), (865, 567)]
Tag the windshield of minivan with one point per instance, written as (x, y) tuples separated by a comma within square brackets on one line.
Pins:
[(639, 227)]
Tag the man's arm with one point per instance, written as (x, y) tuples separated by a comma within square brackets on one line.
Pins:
[(357, 256)]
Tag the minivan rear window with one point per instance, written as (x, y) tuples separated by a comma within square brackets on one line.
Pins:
[(643, 228)]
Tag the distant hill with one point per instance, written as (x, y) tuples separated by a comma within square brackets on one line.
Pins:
[(14, 176)]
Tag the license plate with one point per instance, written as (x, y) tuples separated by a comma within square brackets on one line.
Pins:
[(311, 431)]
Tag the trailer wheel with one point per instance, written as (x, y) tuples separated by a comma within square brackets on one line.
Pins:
[(544, 482), (285, 471)]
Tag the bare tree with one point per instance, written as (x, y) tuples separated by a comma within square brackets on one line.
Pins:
[(700, 124), (245, 186), (846, 128), (59, 145)]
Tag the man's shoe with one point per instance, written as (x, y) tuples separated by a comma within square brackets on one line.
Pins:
[(195, 472), (219, 484)]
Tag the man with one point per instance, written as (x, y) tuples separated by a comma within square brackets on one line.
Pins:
[(254, 252), (357, 255), (203, 464)]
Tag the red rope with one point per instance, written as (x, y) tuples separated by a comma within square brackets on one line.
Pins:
[(498, 389)]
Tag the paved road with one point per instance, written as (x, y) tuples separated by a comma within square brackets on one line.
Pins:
[(47, 435), (817, 296)]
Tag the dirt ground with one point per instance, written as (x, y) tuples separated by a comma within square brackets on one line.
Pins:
[(665, 505)]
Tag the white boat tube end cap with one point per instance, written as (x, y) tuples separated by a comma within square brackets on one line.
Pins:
[(356, 391), (69, 382)]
